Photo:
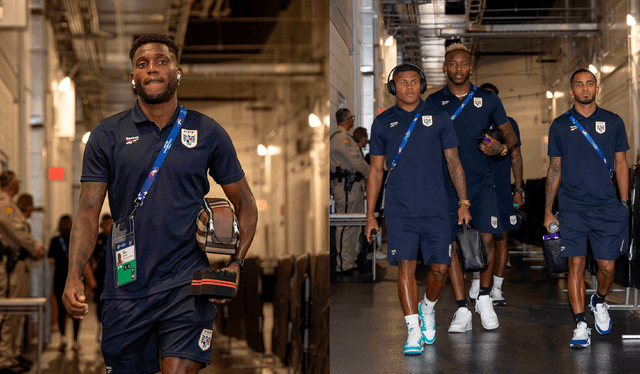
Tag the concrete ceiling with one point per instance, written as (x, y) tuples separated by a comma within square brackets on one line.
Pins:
[(230, 50)]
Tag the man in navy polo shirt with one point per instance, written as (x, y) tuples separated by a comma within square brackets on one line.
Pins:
[(153, 319), (415, 199), (588, 205), (473, 110)]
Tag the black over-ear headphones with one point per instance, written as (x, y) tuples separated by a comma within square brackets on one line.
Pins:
[(391, 85)]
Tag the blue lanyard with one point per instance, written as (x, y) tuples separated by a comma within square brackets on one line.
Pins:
[(593, 143), (404, 142), (465, 102), (160, 159), (64, 246)]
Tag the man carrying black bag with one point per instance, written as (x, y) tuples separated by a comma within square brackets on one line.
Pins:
[(586, 145), (415, 138)]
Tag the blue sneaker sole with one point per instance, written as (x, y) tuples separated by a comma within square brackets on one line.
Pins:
[(580, 344), (601, 332), (412, 352)]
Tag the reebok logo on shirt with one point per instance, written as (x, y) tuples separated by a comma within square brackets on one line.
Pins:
[(132, 139), (393, 124)]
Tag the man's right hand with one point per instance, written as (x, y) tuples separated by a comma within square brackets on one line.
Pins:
[(372, 224), (548, 218), (74, 298), (40, 254)]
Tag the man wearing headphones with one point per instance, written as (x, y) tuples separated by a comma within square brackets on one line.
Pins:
[(150, 320), (414, 139), (472, 110)]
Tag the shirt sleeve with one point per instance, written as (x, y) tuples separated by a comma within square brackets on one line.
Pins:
[(95, 164), (516, 129), (622, 144), (499, 115), (376, 143), (448, 134), (224, 166), (554, 149)]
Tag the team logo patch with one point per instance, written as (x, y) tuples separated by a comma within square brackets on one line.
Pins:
[(131, 139), (494, 222), (445, 102), (427, 120), (513, 220), (393, 124), (347, 142), (562, 248), (205, 339), (600, 127), (477, 102), (189, 138)]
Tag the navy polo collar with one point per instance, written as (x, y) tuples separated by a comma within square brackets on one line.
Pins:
[(580, 117), (447, 92), (417, 109), (139, 117)]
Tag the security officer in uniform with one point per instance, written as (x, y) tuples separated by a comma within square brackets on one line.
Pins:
[(348, 173)]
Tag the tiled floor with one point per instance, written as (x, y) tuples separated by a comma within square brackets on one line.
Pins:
[(368, 330)]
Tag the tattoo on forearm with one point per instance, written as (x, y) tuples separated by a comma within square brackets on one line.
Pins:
[(516, 166), (85, 229), (553, 180), (456, 173)]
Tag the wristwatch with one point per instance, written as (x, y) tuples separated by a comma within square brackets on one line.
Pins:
[(237, 261), (521, 190), (465, 202), (505, 150)]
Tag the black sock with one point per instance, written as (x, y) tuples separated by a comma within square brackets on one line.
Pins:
[(484, 291), (580, 318), (598, 299), (462, 303)]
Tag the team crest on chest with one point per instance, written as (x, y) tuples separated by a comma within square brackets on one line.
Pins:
[(600, 127), (477, 102), (513, 220), (427, 120), (205, 339), (189, 138)]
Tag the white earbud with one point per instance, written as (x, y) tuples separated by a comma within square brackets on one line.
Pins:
[(179, 76), (133, 82)]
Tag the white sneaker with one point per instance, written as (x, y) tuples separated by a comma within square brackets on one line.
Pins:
[(496, 296), (461, 320), (413, 346), (581, 336), (474, 290), (484, 307), (427, 324), (601, 314)]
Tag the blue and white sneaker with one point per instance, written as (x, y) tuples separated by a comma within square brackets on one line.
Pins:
[(427, 324), (413, 346), (601, 314), (581, 336)]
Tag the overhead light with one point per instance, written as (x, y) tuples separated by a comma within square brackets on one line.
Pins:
[(273, 150), (314, 121), (85, 137), (389, 41), (558, 94), (262, 150), (549, 95), (65, 85), (593, 69), (630, 20)]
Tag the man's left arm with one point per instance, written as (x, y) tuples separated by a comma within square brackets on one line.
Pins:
[(516, 167), (622, 175), (244, 204)]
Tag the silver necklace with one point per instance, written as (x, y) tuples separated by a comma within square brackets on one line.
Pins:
[(463, 95)]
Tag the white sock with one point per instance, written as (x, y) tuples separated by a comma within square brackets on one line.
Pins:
[(476, 275), (428, 305), (497, 282), (412, 321)]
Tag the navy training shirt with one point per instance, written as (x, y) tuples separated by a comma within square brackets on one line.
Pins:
[(585, 182), (482, 110), (502, 165), (121, 151), (415, 187)]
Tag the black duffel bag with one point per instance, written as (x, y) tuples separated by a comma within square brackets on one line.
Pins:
[(472, 252), (551, 249)]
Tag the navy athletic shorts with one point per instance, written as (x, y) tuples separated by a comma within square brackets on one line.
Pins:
[(607, 229), (506, 210), (137, 333), (431, 234), (484, 209)]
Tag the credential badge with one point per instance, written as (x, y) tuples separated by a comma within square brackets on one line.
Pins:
[(513, 220), (205, 339), (494, 222), (477, 102), (427, 120), (600, 127), (189, 138)]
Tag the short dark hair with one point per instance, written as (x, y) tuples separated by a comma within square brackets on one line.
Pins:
[(24, 202), (582, 70), (342, 115), (359, 134), (6, 178), (406, 67), (154, 38), (491, 87)]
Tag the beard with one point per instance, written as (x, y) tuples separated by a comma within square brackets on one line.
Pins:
[(159, 98), (586, 101)]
